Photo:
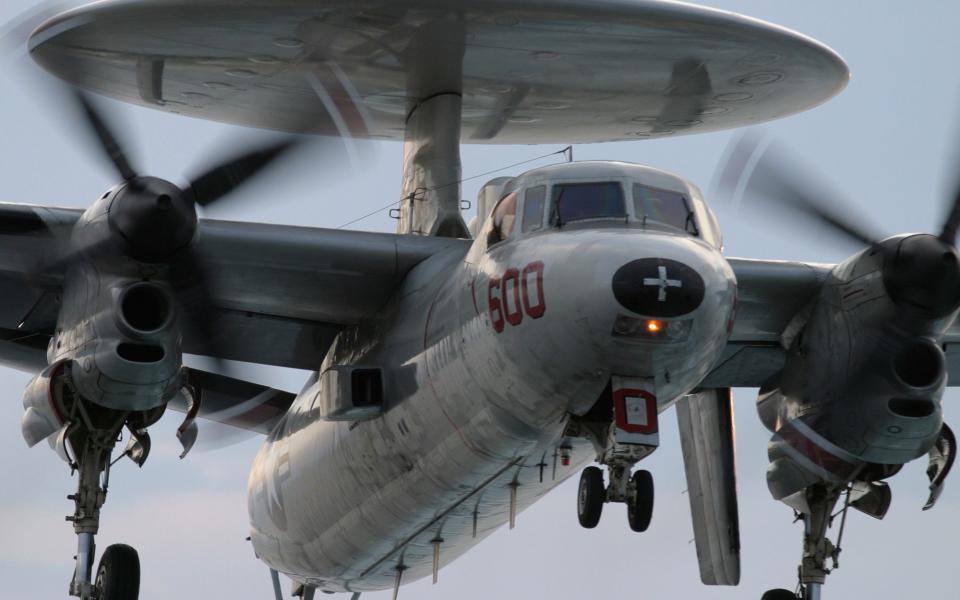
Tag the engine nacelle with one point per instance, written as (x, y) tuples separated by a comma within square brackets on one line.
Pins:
[(865, 374), (124, 344), (118, 316)]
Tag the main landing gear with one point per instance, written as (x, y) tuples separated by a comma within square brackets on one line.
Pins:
[(86, 442), (818, 503), (635, 491), (118, 573)]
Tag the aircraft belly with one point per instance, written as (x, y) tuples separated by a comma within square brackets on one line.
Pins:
[(352, 509)]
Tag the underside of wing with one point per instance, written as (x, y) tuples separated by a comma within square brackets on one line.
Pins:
[(234, 402)]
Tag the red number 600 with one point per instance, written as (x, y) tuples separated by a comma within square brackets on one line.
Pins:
[(509, 297)]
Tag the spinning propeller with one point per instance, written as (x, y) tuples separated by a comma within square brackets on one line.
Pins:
[(920, 271), (152, 221)]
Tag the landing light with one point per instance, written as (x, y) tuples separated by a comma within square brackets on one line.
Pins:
[(661, 330)]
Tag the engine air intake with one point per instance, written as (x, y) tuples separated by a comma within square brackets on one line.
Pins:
[(919, 364), (145, 307)]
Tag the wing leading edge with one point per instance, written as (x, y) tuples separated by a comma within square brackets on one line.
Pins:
[(770, 295), (281, 293)]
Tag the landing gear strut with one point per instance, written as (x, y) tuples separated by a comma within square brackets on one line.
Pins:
[(93, 471), (817, 548), (86, 442), (118, 573)]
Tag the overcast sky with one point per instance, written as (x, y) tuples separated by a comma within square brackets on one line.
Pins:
[(886, 143)]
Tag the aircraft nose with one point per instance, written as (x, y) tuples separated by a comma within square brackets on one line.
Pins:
[(658, 287)]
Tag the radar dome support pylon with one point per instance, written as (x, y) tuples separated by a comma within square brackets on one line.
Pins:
[(431, 169), (433, 64)]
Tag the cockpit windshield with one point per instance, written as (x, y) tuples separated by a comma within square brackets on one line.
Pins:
[(582, 201), (664, 206)]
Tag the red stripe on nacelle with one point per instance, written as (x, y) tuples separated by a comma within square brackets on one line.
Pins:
[(820, 456)]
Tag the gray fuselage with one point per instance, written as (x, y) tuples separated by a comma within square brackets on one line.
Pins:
[(484, 357)]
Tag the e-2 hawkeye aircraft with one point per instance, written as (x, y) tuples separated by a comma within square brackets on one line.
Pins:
[(460, 373)]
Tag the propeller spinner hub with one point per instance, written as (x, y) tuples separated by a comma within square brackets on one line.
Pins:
[(923, 272), (153, 217)]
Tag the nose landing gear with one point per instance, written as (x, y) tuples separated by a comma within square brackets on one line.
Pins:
[(635, 491), (623, 429)]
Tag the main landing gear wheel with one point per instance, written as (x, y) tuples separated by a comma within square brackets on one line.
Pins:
[(118, 575), (779, 594), (640, 503), (590, 497)]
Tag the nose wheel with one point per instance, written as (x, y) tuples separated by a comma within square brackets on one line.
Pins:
[(635, 491), (640, 501), (590, 497)]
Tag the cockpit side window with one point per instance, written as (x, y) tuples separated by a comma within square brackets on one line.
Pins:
[(664, 206), (503, 219), (582, 201), (533, 200)]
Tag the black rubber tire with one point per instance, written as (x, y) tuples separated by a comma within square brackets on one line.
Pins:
[(778, 594), (590, 497), (118, 574), (640, 506)]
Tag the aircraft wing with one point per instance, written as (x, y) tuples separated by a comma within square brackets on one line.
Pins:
[(233, 402), (281, 293), (770, 294)]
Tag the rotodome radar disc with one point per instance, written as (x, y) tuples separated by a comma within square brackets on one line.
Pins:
[(529, 71)]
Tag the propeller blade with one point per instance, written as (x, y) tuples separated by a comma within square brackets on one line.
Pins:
[(213, 436), (14, 39), (195, 298), (779, 182), (62, 253), (222, 179), (109, 142), (949, 232)]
